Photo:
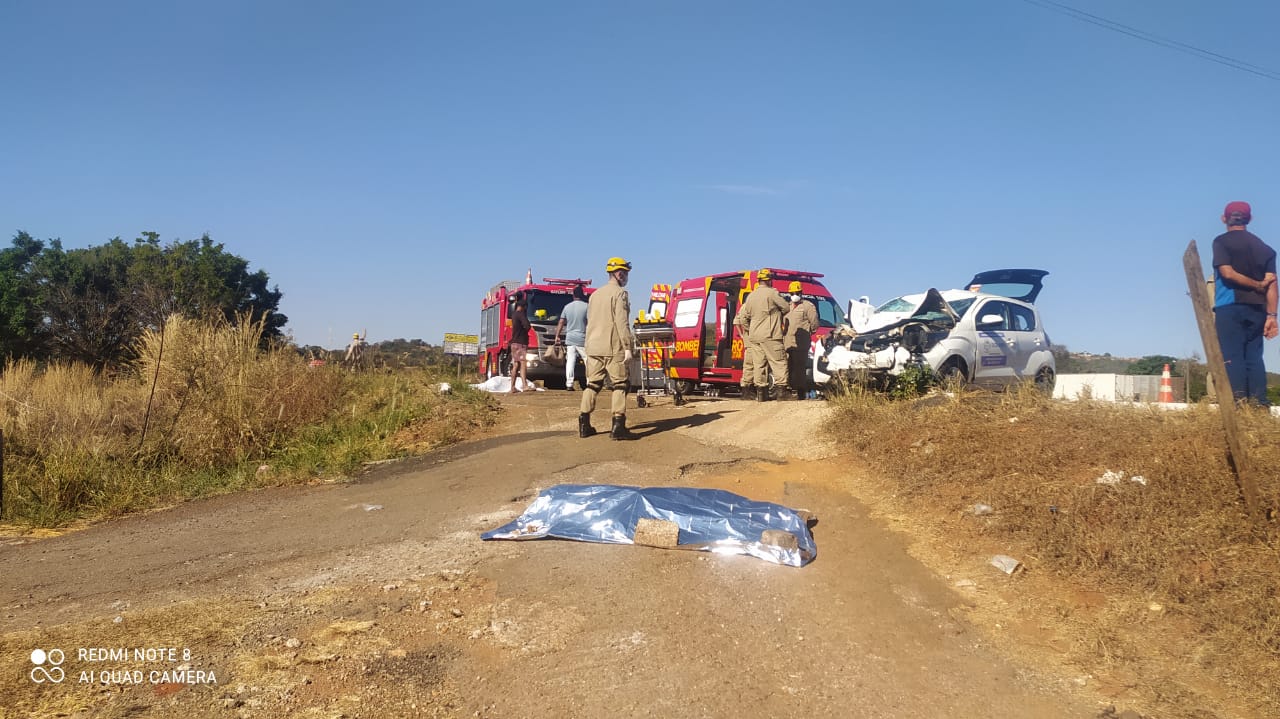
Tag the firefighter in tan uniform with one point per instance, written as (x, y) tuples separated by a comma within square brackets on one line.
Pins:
[(750, 353), (608, 349), (764, 310), (800, 323), (355, 352)]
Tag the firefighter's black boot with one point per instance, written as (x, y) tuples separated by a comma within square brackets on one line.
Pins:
[(620, 430), (786, 393), (762, 394), (584, 425), (749, 392)]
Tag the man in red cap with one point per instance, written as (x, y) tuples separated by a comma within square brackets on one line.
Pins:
[(1244, 303)]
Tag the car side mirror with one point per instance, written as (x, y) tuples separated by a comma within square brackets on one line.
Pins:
[(990, 321)]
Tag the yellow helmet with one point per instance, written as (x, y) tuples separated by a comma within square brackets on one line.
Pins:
[(355, 336), (764, 275), (794, 287), (616, 263)]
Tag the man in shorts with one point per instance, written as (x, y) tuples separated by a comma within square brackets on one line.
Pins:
[(519, 347)]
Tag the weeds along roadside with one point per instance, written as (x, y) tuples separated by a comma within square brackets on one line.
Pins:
[(206, 411), (1180, 541)]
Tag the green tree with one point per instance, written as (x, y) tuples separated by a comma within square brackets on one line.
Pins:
[(92, 304), (199, 278), (89, 312), (1065, 362), (1196, 374), (411, 353), (19, 318), (1151, 364)]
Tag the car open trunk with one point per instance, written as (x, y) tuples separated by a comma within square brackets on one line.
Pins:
[(1015, 284)]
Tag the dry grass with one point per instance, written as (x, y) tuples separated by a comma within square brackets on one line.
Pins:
[(296, 655), (206, 411), (218, 396), (206, 628), (1181, 540)]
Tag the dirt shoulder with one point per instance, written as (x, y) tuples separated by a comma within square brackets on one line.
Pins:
[(378, 598)]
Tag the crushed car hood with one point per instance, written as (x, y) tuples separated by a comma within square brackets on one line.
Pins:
[(931, 320), (932, 307)]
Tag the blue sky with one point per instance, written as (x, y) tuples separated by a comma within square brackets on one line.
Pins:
[(387, 162)]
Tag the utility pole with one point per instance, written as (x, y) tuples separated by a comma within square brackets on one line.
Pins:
[(1239, 459)]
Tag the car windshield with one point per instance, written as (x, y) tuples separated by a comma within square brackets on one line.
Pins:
[(898, 304), (549, 304), (829, 313), (907, 306)]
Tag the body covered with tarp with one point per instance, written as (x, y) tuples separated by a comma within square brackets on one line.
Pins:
[(710, 520)]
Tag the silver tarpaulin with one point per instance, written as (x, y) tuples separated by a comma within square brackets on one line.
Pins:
[(711, 520)]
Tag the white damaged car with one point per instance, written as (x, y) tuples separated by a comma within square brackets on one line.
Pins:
[(988, 334)]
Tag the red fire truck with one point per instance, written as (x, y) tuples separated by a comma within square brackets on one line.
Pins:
[(544, 303), (705, 345)]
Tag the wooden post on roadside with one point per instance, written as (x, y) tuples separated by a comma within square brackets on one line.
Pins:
[(1, 474), (1218, 371)]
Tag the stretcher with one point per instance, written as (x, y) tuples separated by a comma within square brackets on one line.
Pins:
[(656, 344)]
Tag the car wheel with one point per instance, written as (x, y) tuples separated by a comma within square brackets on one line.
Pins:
[(953, 372), (684, 386), (1045, 378)]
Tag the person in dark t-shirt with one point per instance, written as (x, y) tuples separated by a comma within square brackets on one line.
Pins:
[(519, 346), (1244, 302)]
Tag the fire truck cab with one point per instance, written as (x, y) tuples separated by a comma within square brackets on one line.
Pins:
[(707, 346), (545, 302)]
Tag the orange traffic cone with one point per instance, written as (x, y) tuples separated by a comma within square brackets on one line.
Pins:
[(528, 277), (1166, 386)]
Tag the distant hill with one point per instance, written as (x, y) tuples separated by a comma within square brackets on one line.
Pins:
[(1089, 363), (394, 353)]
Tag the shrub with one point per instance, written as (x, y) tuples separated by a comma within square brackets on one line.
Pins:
[(1180, 534), (205, 410)]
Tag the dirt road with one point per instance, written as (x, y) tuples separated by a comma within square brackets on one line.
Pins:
[(377, 598)]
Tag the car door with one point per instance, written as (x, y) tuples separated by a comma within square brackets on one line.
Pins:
[(1027, 339), (995, 345)]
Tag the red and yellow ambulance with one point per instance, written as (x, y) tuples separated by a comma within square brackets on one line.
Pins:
[(706, 346)]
